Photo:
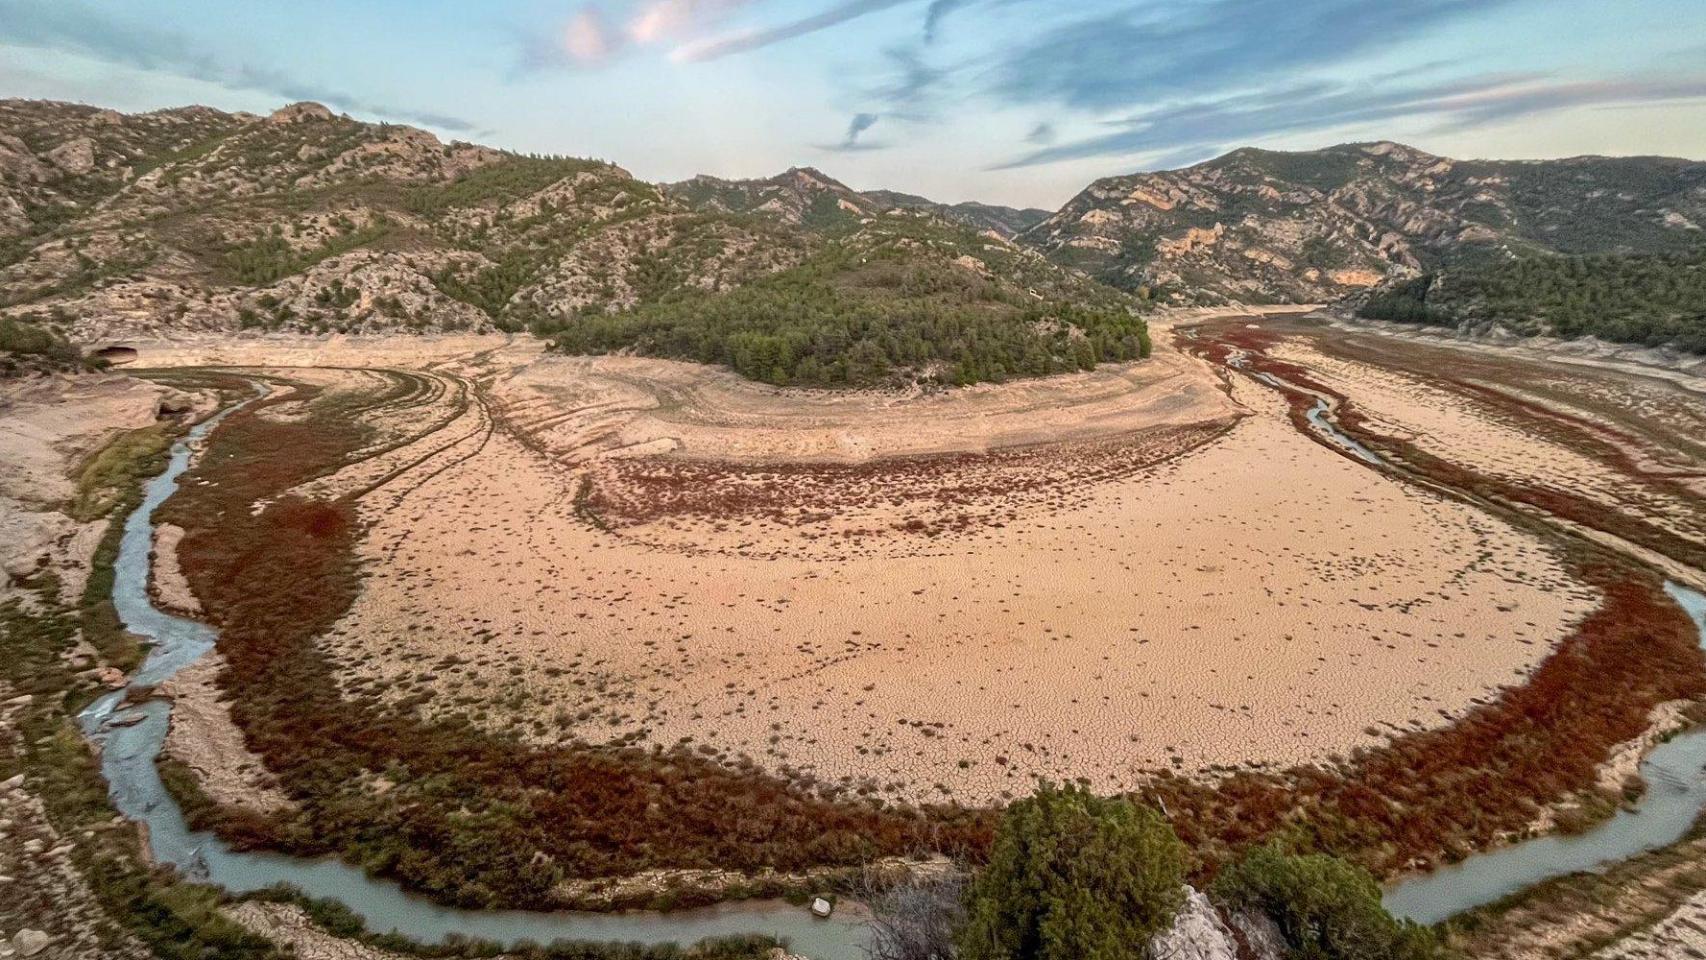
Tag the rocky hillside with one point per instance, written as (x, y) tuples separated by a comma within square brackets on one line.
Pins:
[(1262, 226), (121, 227), (809, 197), (118, 227), (1007, 221)]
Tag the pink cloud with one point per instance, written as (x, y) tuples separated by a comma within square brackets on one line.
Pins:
[(586, 39)]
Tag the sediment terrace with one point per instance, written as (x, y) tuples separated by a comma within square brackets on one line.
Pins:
[(924, 598)]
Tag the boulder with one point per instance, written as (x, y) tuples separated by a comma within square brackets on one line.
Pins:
[(74, 156), (1198, 933), (30, 942), (304, 112)]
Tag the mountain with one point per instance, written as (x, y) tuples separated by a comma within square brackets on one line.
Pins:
[(1261, 226), (117, 227), (1007, 221), (809, 197), (800, 196)]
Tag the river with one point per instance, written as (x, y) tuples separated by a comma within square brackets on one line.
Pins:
[(1675, 773), (130, 738)]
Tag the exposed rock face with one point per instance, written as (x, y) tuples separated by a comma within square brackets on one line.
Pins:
[(1260, 226), (1198, 933), (1258, 936), (304, 112), (74, 156), (195, 221)]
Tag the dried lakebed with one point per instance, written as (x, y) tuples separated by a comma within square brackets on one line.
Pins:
[(131, 741), (130, 737)]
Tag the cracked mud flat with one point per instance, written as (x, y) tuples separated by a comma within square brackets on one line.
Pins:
[(918, 597)]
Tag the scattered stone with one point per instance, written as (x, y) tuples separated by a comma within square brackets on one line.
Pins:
[(74, 156), (30, 942)]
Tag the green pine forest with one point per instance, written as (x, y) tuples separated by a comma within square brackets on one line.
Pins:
[(1650, 299), (842, 319)]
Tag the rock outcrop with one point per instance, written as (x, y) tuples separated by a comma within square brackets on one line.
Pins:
[(1263, 226)]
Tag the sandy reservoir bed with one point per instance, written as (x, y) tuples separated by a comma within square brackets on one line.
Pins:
[(921, 597)]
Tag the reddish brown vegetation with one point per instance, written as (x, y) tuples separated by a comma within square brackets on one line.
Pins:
[(480, 819), (931, 494), (1441, 793), (471, 816)]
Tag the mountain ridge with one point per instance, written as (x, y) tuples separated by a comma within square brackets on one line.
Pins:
[(124, 227), (1313, 226), (193, 219)]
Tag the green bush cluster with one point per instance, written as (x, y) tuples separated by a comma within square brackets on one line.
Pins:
[(512, 177), (271, 258), (1325, 907), (1073, 876), (27, 347), (838, 320)]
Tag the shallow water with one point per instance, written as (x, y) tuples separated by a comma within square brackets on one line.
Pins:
[(1675, 772), (130, 738)]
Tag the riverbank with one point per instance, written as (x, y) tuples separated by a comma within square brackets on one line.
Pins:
[(377, 452)]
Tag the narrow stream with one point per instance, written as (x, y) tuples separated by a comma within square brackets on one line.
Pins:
[(1676, 793), (130, 739), (1675, 773)]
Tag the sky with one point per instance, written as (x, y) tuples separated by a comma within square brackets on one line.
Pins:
[(1022, 102)]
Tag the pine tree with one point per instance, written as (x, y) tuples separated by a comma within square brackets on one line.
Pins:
[(1075, 877)]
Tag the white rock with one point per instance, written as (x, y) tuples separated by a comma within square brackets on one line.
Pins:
[(822, 907), (29, 942), (1260, 934), (74, 156), (1197, 933)]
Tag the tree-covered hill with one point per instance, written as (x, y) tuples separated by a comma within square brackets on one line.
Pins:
[(1646, 299), (124, 227), (897, 301), (1314, 226)]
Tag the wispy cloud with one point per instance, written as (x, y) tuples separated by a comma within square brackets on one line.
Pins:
[(1197, 127), (910, 91), (938, 11), (66, 26), (1042, 133), (1157, 50), (592, 36), (740, 42), (850, 142)]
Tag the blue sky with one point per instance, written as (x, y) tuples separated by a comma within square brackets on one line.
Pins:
[(1008, 101)]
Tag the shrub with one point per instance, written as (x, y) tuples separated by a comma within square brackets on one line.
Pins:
[(1075, 877), (1326, 908)]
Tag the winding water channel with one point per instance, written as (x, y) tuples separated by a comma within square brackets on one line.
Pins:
[(130, 737), (1675, 773)]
